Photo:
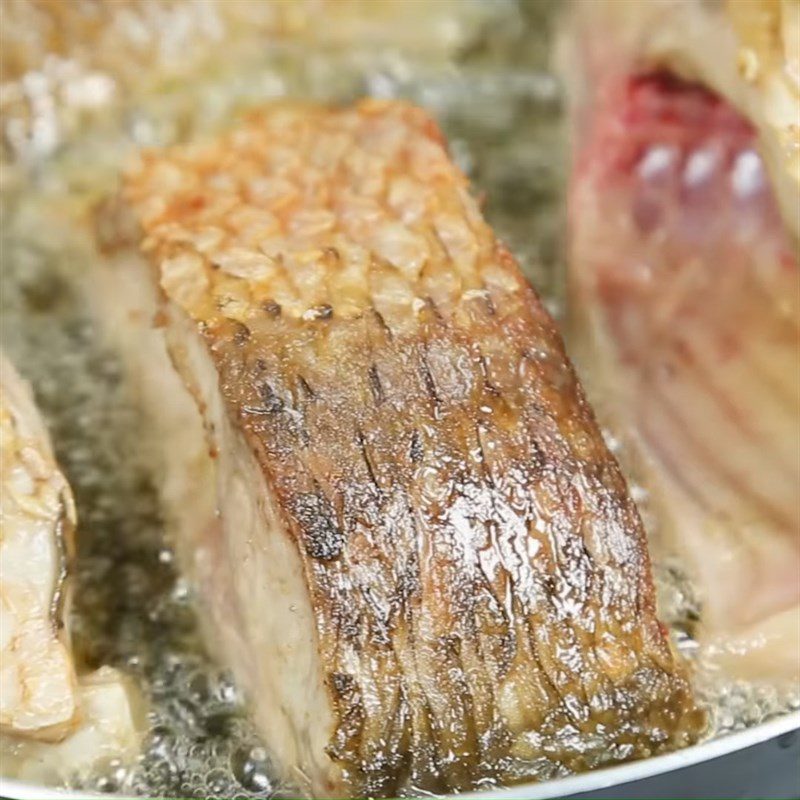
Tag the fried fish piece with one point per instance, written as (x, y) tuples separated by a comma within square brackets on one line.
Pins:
[(685, 293), (38, 687), (408, 537), (54, 722)]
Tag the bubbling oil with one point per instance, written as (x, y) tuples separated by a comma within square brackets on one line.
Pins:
[(500, 109), (732, 704), (131, 608)]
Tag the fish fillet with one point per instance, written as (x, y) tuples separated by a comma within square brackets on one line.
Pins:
[(54, 723), (407, 536), (685, 292)]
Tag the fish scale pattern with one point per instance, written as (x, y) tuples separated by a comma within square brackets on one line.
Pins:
[(478, 573)]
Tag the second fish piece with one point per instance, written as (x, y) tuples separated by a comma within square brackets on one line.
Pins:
[(685, 288), (56, 721)]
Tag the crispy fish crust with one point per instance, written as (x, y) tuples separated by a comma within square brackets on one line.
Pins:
[(477, 571)]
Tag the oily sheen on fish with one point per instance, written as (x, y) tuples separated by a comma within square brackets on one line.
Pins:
[(409, 540), (685, 293)]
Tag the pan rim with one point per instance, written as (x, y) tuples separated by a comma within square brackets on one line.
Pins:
[(586, 782)]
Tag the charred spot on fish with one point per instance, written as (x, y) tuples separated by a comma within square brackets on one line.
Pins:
[(362, 444), (487, 383), (382, 323), (375, 385), (303, 436), (416, 449), (380, 620), (537, 460), (427, 377), (271, 308), (347, 696), (322, 537), (304, 388), (537, 355), (270, 401), (590, 574), (241, 333), (407, 582), (434, 309), (331, 255), (349, 620), (341, 684)]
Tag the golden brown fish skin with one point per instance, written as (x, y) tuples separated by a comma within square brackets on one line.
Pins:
[(477, 570), (373, 469)]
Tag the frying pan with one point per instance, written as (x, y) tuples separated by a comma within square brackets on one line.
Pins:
[(760, 762)]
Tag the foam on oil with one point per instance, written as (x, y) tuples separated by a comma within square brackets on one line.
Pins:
[(500, 109)]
